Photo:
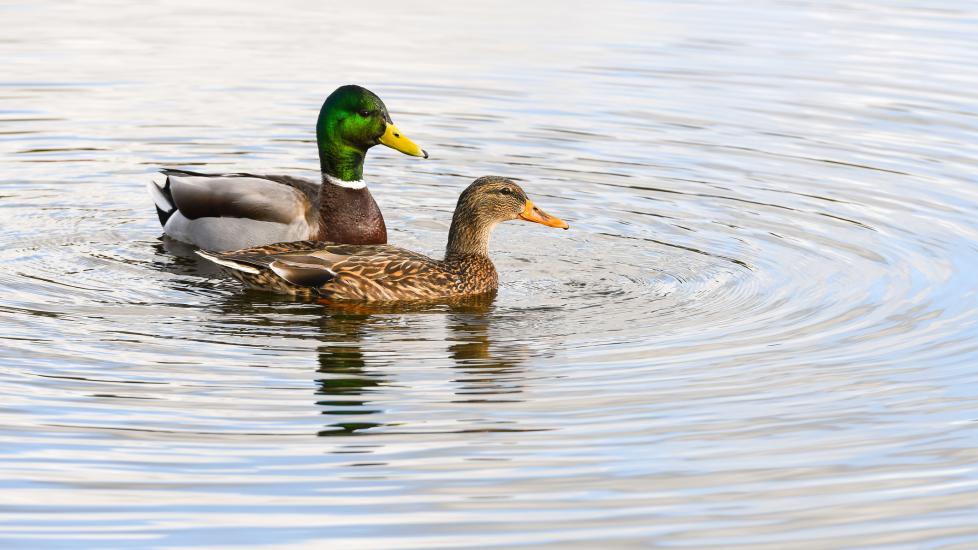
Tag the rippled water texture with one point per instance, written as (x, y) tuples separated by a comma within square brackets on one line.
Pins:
[(760, 332)]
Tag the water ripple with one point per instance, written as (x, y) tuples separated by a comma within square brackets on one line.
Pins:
[(760, 331)]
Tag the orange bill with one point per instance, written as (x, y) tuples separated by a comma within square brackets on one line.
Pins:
[(531, 213)]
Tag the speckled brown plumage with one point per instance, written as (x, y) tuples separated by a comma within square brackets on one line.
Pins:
[(384, 273)]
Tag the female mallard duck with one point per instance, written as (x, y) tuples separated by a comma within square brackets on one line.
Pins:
[(232, 211), (384, 273)]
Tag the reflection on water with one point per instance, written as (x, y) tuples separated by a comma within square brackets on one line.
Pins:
[(760, 332), (486, 373), (347, 384)]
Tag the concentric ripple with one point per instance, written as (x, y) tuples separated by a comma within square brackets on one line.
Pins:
[(760, 331)]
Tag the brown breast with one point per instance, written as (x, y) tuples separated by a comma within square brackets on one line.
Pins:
[(349, 216), (476, 274)]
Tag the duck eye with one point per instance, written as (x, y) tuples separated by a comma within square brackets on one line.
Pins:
[(364, 113), (506, 191)]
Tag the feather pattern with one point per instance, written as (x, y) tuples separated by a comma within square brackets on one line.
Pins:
[(369, 273), (384, 273)]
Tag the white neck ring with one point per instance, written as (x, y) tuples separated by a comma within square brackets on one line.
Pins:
[(356, 184)]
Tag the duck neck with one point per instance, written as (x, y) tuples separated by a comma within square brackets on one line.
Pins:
[(467, 255), (340, 162), (338, 157), (467, 237)]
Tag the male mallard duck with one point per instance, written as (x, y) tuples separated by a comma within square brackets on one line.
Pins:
[(232, 211), (384, 273)]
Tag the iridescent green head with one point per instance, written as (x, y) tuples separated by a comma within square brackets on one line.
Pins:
[(352, 120)]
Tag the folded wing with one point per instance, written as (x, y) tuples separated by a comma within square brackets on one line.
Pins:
[(232, 211)]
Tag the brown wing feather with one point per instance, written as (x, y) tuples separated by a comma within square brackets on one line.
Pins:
[(358, 272)]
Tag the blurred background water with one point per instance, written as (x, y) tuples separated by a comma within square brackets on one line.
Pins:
[(760, 331)]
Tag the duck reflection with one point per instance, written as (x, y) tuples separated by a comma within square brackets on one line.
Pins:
[(347, 382), (488, 371), (353, 381), (181, 258)]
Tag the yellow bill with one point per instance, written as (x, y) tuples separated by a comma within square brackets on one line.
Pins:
[(394, 139)]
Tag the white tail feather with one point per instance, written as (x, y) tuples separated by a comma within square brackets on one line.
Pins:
[(227, 263)]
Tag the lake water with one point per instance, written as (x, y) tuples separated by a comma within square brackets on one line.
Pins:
[(761, 330)]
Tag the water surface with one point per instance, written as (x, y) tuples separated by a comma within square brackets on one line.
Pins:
[(760, 332)]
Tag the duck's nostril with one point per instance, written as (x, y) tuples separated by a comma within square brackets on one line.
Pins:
[(397, 135)]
